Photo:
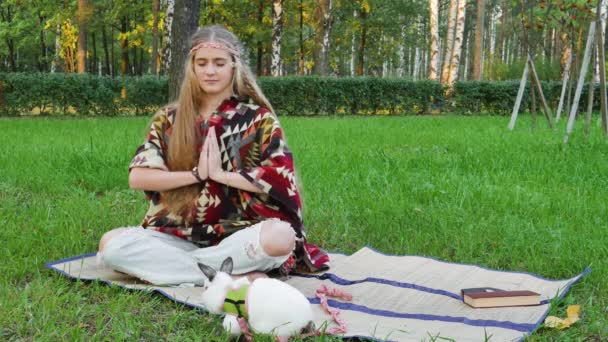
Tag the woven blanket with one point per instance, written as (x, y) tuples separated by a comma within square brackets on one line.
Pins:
[(395, 298)]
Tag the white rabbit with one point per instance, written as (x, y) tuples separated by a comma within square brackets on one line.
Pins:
[(271, 306)]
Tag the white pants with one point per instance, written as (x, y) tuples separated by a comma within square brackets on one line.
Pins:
[(163, 259)]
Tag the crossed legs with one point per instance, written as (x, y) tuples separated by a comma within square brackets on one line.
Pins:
[(163, 259)]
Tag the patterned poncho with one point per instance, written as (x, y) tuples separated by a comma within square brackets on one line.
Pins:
[(251, 143)]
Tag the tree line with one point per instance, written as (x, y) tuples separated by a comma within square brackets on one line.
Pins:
[(443, 40)]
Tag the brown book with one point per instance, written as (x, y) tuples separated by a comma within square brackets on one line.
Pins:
[(488, 297)]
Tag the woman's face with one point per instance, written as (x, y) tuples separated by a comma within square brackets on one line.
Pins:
[(213, 69)]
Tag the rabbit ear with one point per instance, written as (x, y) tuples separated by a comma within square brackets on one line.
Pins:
[(208, 271), (227, 265)]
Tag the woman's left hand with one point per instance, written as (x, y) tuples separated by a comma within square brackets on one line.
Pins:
[(214, 161)]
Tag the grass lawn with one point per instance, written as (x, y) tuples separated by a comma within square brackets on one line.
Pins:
[(456, 188)]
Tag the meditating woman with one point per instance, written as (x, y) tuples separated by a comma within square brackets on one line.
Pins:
[(219, 177)]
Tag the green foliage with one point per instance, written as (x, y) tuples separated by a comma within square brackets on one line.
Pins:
[(366, 95), (59, 94), (499, 97), (80, 94), (75, 94), (497, 70)]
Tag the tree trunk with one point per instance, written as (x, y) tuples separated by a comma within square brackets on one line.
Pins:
[(434, 34), (361, 51), (104, 38), (492, 34), (556, 46), (416, 71), (455, 61), (113, 56), (579, 47), (184, 25), (133, 69), (301, 55), (323, 16), (168, 34), (11, 55), (154, 61), (10, 43), (466, 54), (260, 55), (424, 64), (449, 41), (124, 43), (566, 52), (603, 30), (94, 60), (503, 29), (401, 54), (477, 63), (550, 44), (43, 58), (141, 61), (277, 36), (83, 14), (353, 60), (56, 63)]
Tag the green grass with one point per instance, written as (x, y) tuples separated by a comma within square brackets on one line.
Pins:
[(456, 188)]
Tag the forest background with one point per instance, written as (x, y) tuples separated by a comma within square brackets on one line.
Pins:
[(445, 41)]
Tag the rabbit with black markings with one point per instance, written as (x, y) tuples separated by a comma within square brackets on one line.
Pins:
[(270, 306)]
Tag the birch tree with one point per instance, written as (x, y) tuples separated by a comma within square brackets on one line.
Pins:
[(167, 38), (458, 37), (603, 32), (503, 23), (154, 59), (449, 41), (477, 63), (324, 18), (353, 60), (417, 55), (56, 63), (434, 37), (402, 37), (277, 35)]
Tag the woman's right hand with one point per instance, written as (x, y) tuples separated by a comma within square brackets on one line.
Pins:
[(203, 160)]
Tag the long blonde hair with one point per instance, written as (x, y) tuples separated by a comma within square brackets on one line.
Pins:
[(182, 154)]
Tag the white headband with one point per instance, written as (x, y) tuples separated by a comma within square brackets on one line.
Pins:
[(215, 45)]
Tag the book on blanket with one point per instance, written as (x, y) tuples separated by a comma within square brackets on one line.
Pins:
[(489, 297)]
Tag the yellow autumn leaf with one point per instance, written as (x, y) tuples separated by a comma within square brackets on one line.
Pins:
[(573, 312)]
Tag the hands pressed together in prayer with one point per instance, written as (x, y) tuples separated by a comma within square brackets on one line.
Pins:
[(210, 166), (210, 160)]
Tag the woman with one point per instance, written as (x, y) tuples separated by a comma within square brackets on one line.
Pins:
[(219, 177)]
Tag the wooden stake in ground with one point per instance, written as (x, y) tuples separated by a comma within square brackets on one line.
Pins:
[(539, 90), (591, 91), (581, 81), (533, 105), (601, 57), (520, 94), (564, 87)]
